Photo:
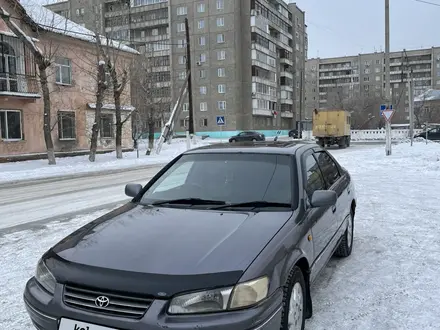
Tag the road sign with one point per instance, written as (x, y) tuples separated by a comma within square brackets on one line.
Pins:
[(383, 107), (221, 121), (388, 114)]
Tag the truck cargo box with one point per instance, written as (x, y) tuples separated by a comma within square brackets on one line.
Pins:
[(332, 126)]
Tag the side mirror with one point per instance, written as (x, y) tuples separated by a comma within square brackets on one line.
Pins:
[(133, 189), (324, 198)]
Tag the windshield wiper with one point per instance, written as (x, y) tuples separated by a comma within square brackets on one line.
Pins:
[(190, 201), (254, 204)]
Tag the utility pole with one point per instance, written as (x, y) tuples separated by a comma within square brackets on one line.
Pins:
[(387, 75), (188, 70), (410, 77), (411, 104), (300, 104)]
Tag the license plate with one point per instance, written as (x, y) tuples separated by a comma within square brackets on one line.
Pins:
[(67, 324)]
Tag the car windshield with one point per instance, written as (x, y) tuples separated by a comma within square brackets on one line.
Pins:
[(225, 179)]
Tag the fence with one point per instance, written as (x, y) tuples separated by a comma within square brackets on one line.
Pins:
[(371, 134)]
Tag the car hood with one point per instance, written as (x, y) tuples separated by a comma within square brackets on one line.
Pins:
[(167, 242)]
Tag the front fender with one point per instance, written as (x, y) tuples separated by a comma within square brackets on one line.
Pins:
[(277, 259)]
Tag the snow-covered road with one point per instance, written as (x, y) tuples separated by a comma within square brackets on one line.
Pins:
[(24, 204), (389, 282)]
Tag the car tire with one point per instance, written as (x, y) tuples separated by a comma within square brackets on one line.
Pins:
[(346, 246), (254, 140), (294, 301), (233, 141)]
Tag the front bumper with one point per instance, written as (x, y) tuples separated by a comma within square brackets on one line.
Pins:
[(46, 311)]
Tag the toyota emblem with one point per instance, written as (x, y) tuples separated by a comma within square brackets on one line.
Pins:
[(102, 301)]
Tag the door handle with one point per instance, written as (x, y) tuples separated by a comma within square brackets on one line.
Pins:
[(348, 190), (334, 208)]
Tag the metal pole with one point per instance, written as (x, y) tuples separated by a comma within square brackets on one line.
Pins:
[(411, 105), (188, 69), (387, 74)]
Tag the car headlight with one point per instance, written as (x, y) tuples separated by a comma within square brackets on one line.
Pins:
[(44, 277), (242, 295)]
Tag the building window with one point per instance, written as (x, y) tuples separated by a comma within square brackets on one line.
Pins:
[(155, 32), (221, 72), (203, 106), (203, 122), (220, 4), (182, 59), (221, 105), (80, 11), (63, 71), (377, 78), (181, 43), (220, 38), (202, 41), (201, 7), (66, 125), (202, 74), (185, 107), (203, 90), (182, 75), (107, 126), (221, 55), (221, 88), (201, 24), (202, 58), (366, 78), (10, 125), (220, 21), (180, 27), (181, 11)]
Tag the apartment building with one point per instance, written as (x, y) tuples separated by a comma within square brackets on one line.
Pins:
[(248, 57), (331, 81), (246, 62)]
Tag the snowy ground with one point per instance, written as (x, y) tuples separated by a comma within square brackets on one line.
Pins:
[(36, 169), (389, 282)]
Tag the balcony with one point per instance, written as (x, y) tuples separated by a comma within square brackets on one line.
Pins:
[(18, 76)]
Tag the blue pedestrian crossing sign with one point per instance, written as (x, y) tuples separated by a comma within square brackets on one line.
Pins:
[(383, 107), (221, 121)]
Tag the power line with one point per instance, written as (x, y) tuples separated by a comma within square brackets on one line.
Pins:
[(429, 3)]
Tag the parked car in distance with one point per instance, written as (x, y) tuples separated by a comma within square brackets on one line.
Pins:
[(433, 134), (293, 133), (223, 237), (247, 136)]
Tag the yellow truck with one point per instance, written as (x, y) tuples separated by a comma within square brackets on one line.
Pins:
[(332, 126)]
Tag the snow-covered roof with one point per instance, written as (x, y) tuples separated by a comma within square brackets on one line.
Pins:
[(428, 95), (50, 21)]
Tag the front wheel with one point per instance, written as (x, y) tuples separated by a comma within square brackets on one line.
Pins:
[(294, 302), (233, 141), (346, 246)]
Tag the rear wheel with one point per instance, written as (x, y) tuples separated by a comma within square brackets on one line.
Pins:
[(294, 302), (254, 140), (233, 141)]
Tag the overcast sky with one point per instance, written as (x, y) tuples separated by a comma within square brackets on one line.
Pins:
[(350, 27)]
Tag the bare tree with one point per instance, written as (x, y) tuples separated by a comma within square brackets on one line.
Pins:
[(43, 58), (148, 96), (362, 106), (119, 77)]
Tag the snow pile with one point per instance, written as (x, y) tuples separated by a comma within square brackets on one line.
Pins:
[(55, 23), (36, 169)]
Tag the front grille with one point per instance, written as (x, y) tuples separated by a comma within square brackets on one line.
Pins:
[(118, 305)]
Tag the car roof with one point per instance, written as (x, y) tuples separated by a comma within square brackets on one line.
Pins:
[(266, 147)]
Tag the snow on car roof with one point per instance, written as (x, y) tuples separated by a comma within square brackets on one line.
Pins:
[(50, 21)]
